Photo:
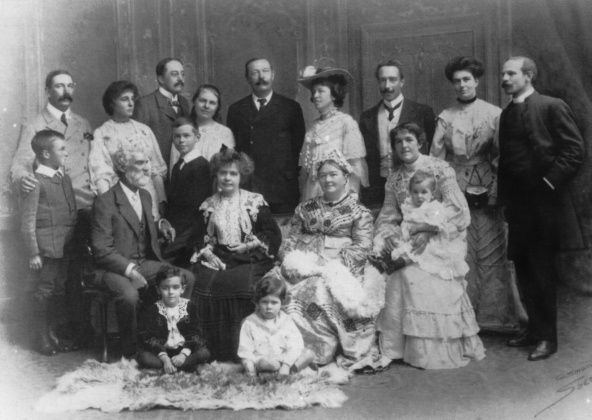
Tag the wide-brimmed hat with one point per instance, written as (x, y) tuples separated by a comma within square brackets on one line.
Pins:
[(308, 76)]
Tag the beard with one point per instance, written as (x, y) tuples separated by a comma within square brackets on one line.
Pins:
[(137, 178)]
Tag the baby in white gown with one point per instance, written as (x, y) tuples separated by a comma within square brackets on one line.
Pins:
[(444, 255)]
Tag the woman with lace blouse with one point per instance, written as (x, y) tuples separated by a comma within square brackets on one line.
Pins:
[(427, 320), (121, 131), (465, 138), (236, 244), (333, 130)]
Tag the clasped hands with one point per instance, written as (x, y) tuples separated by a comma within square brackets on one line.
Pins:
[(171, 364), (419, 241)]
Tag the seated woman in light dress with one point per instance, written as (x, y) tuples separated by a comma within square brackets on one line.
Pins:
[(205, 113), (121, 131), (335, 296), (237, 241), (427, 320), (333, 130)]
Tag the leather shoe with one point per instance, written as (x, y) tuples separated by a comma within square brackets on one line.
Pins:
[(525, 340), (543, 350)]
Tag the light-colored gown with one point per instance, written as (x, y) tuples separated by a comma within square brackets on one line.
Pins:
[(427, 320), (335, 131), (107, 140), (211, 139), (465, 137)]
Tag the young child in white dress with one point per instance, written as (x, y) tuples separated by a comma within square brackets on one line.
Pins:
[(443, 256), (269, 339)]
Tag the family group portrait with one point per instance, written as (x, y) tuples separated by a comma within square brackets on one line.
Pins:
[(324, 209)]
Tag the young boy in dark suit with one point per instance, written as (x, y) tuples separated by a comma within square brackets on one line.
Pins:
[(189, 186), (48, 218)]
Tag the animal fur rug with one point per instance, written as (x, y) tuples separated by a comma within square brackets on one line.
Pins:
[(122, 386)]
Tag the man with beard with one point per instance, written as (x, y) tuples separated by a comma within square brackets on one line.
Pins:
[(377, 122), (57, 116), (159, 109), (541, 149), (269, 128), (124, 239)]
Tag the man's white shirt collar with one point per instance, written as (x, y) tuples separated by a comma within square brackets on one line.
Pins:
[(395, 102), (129, 193), (256, 98), (47, 171), (194, 154), (522, 97), (168, 94), (57, 114)]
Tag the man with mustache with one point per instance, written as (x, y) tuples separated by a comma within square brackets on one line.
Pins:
[(124, 239), (58, 116), (377, 122), (269, 128), (159, 109), (541, 149)]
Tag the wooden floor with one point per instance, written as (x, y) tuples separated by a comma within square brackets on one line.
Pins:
[(503, 386)]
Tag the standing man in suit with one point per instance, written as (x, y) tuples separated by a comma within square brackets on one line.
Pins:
[(377, 122), (58, 116), (124, 239), (541, 148), (270, 129), (159, 109)]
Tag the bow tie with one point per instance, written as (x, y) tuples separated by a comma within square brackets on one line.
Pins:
[(390, 110)]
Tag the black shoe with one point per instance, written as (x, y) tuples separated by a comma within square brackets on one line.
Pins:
[(543, 350), (525, 340)]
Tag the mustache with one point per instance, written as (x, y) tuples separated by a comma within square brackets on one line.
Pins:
[(505, 84), (180, 83), (262, 82), (66, 96), (387, 90)]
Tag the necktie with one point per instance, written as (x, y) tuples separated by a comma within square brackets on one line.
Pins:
[(64, 120), (137, 205), (176, 170), (261, 103), (176, 106), (392, 110)]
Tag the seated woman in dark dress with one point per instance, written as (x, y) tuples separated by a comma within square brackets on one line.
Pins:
[(237, 241)]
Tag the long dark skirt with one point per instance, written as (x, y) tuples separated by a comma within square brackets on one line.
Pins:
[(225, 297)]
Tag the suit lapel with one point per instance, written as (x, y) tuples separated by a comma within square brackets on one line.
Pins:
[(165, 106), (185, 106), (74, 126), (247, 109), (372, 119), (126, 210), (51, 122), (407, 112)]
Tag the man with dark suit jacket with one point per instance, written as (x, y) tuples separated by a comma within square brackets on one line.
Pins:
[(541, 148), (377, 122), (159, 109), (270, 129), (125, 245)]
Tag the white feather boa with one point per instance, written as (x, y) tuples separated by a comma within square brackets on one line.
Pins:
[(358, 297)]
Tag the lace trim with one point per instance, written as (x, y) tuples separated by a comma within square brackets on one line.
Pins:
[(162, 308)]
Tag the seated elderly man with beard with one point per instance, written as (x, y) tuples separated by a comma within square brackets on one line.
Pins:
[(124, 239)]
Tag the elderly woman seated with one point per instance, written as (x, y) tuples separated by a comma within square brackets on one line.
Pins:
[(236, 244), (335, 296)]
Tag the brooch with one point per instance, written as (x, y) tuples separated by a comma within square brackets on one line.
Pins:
[(88, 136)]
